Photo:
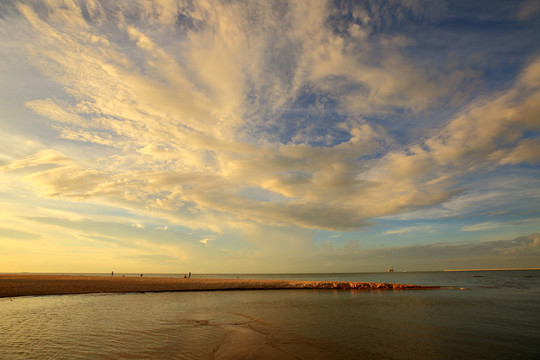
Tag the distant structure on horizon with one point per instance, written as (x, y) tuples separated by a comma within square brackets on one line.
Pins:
[(390, 268)]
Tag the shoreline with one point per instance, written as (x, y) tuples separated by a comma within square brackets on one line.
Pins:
[(508, 269), (14, 285)]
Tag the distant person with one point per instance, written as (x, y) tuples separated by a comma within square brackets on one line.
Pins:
[(190, 274), (141, 275), (112, 273), (185, 276)]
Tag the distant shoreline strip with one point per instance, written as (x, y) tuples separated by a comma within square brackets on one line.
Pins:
[(36, 285), (511, 269)]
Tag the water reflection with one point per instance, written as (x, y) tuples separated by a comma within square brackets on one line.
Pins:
[(496, 319)]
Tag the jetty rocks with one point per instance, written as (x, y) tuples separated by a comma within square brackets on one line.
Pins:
[(339, 285)]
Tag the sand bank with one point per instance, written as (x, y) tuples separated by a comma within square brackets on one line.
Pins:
[(27, 285)]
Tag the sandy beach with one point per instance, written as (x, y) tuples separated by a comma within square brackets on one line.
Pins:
[(27, 285)]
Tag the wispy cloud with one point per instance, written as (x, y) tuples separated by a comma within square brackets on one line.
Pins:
[(206, 240), (409, 229), (482, 226), (17, 234)]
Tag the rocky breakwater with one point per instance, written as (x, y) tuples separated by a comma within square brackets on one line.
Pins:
[(343, 285)]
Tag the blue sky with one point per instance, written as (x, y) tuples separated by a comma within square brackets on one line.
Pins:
[(251, 136)]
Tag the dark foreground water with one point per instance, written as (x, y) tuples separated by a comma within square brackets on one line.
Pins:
[(476, 315)]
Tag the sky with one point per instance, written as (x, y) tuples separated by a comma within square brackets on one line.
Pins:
[(282, 136)]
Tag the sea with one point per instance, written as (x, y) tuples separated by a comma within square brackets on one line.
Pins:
[(474, 315)]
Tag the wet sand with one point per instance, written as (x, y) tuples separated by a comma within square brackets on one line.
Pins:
[(32, 285)]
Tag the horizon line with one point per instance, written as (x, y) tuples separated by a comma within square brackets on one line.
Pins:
[(502, 269)]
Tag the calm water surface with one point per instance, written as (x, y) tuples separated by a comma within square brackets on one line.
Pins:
[(476, 315)]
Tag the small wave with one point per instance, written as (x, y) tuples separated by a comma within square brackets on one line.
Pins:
[(454, 288)]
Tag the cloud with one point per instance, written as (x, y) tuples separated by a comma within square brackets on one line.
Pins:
[(490, 132), (134, 238), (368, 69), (483, 195), (482, 226), (48, 157), (55, 175), (202, 128), (495, 248), (519, 252), (17, 234), (497, 213), (205, 241), (489, 125), (526, 151), (528, 246), (409, 229), (528, 9)]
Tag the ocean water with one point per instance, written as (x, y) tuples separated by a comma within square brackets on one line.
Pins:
[(475, 315)]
